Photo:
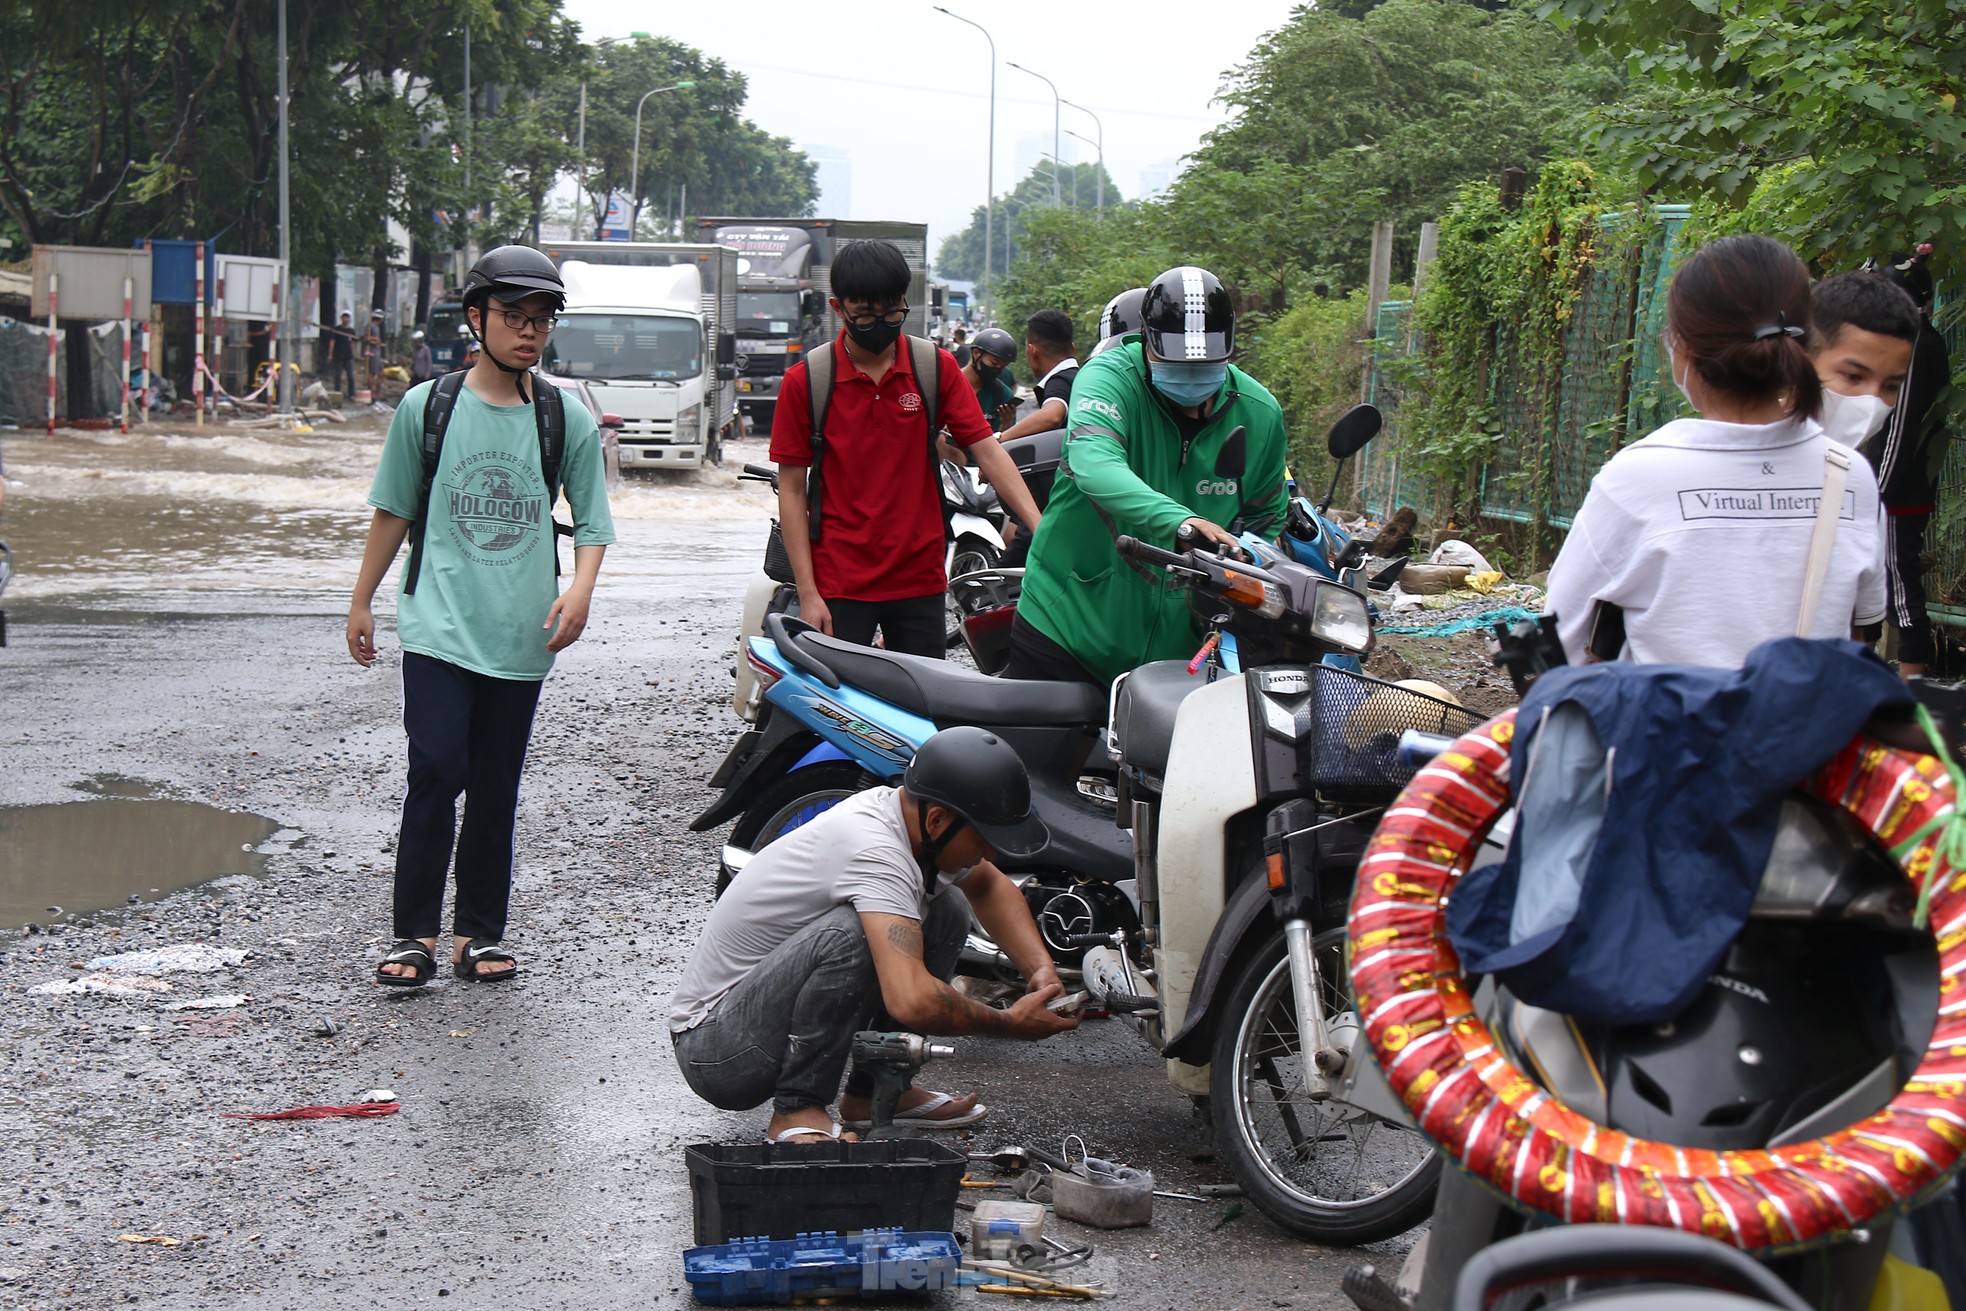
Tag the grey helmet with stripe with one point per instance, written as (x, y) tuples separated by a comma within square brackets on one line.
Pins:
[(1189, 316)]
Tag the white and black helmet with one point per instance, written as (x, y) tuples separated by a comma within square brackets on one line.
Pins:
[(1188, 316)]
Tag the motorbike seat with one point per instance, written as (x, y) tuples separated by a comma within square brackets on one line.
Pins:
[(1143, 715), (939, 691)]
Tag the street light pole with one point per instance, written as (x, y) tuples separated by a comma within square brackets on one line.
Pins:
[(635, 157), (1056, 199), (990, 166), (284, 358), (1100, 146)]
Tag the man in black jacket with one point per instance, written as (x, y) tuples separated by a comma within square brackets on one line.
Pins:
[(1907, 455)]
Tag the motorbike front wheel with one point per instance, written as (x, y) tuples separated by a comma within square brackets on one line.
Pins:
[(798, 798), (1323, 1170)]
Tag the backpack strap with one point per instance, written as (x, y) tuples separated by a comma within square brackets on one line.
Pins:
[(819, 394), (926, 357), (550, 413), (438, 403)]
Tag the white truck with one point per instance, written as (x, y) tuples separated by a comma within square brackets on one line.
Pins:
[(648, 329)]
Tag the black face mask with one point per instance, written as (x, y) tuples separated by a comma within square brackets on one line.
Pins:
[(874, 337), (988, 372)]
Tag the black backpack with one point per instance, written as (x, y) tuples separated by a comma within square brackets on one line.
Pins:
[(926, 358), (549, 410)]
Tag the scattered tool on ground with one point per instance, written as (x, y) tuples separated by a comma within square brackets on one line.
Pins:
[(359, 1111), (891, 1058)]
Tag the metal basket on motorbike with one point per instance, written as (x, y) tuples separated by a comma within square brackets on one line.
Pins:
[(1358, 725), (778, 561)]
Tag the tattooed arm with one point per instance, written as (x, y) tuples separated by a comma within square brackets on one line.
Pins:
[(926, 1004)]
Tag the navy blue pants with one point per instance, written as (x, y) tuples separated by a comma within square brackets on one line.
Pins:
[(468, 734)]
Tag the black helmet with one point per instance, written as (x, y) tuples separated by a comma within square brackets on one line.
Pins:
[(1908, 272), (994, 341), (1122, 313), (978, 776), (1187, 317), (511, 273)]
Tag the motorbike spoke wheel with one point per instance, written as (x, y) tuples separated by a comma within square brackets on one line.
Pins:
[(1322, 1169), (798, 798)]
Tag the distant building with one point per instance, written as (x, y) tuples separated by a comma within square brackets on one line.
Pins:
[(1156, 178), (835, 178)]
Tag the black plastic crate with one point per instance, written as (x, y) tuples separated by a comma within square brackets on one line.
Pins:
[(782, 1190)]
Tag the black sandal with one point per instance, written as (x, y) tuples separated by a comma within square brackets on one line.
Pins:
[(410, 952), (467, 964)]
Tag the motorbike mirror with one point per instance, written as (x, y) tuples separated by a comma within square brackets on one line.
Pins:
[(1355, 427), (1233, 457)]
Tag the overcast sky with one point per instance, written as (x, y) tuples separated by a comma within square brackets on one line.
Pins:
[(905, 90)]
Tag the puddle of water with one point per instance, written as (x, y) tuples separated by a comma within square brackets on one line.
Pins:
[(92, 855)]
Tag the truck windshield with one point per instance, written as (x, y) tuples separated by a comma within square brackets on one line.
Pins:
[(767, 313), (625, 346), (445, 320)]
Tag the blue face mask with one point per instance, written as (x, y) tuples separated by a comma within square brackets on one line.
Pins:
[(1187, 383)]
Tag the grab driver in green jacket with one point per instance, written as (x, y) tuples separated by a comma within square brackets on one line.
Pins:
[(1148, 449)]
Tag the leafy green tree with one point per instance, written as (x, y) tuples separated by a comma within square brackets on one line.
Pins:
[(1839, 120), (961, 253), (1343, 119), (693, 139)]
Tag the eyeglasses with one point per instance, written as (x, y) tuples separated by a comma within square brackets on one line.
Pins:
[(517, 321), (896, 316)]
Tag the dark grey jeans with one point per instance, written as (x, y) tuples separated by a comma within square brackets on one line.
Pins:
[(785, 1032)]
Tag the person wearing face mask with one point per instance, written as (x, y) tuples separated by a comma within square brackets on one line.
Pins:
[(988, 372), (1701, 533), (1162, 432), (1907, 452), (867, 550)]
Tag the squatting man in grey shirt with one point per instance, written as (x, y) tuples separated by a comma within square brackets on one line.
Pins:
[(855, 921)]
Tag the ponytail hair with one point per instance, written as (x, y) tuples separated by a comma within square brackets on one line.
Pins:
[(1739, 312)]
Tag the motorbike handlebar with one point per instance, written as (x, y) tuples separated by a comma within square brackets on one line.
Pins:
[(1417, 748), (1135, 549)]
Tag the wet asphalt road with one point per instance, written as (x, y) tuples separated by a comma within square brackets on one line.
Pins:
[(176, 632)]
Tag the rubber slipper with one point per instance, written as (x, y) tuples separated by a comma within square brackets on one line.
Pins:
[(490, 952), (831, 1133), (924, 1117), (410, 952)]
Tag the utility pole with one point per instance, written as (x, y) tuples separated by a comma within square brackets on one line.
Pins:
[(1057, 197), (990, 165), (1100, 146), (284, 363)]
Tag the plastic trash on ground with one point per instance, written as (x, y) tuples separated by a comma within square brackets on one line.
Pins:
[(182, 957), (106, 985), (875, 1263), (1456, 551)]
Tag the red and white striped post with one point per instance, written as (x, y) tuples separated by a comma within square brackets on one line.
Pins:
[(128, 295), (54, 289), (198, 335)]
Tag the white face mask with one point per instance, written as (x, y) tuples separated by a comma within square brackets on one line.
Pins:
[(1673, 364), (1852, 420)]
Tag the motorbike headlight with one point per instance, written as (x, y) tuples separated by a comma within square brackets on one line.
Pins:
[(690, 417), (1338, 616), (952, 490)]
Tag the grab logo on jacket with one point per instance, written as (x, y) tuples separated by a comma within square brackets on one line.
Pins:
[(1217, 487)]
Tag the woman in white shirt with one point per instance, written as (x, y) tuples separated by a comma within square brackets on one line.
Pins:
[(1700, 532)]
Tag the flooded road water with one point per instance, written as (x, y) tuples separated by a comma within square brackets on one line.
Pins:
[(82, 856)]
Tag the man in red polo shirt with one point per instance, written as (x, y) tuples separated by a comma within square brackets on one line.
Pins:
[(878, 560)]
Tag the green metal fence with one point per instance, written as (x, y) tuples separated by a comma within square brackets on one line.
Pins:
[(1559, 419)]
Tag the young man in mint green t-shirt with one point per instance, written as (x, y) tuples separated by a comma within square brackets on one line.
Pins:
[(481, 629)]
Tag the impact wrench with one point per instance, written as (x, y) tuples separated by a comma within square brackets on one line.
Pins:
[(891, 1058)]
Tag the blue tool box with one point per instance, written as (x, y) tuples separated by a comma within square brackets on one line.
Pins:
[(877, 1262)]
